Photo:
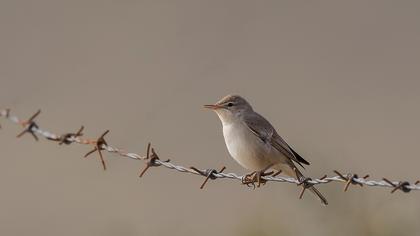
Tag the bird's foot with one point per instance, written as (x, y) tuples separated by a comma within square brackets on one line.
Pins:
[(255, 177)]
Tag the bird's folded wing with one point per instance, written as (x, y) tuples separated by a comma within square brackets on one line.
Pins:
[(266, 132)]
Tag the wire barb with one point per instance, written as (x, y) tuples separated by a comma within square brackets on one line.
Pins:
[(30, 126), (98, 147), (66, 138), (152, 159), (350, 179), (305, 183), (402, 185), (209, 173)]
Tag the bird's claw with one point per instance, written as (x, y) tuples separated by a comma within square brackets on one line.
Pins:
[(255, 177)]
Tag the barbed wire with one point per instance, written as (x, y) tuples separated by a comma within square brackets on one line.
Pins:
[(151, 159)]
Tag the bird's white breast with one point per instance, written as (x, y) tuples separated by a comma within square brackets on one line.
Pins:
[(245, 147)]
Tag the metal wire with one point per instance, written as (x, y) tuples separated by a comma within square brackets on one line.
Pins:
[(152, 160)]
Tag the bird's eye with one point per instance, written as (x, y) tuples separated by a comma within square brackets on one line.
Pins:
[(230, 104)]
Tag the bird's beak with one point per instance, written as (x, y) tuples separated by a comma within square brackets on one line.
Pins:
[(213, 107)]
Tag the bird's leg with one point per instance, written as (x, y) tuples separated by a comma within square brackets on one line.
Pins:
[(256, 177)]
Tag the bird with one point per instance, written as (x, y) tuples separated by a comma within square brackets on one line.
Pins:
[(255, 144)]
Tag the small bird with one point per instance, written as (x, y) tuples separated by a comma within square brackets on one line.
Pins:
[(254, 143)]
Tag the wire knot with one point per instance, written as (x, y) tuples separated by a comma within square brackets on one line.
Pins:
[(350, 179), (152, 159), (30, 126), (305, 183), (208, 173), (66, 138), (99, 146), (402, 185)]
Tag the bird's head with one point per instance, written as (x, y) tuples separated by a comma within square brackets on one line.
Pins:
[(230, 107)]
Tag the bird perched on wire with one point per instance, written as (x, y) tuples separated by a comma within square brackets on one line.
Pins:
[(254, 143)]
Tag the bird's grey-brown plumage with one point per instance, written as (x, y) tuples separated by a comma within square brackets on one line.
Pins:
[(254, 143), (266, 132)]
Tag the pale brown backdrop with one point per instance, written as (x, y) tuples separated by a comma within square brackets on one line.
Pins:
[(340, 80)]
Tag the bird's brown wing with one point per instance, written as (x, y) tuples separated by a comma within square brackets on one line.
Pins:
[(266, 132)]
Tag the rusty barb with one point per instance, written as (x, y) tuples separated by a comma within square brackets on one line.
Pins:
[(66, 138), (306, 183), (30, 126), (99, 145), (350, 179), (152, 160), (208, 173), (402, 185)]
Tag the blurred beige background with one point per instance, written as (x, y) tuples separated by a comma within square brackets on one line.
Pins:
[(347, 72)]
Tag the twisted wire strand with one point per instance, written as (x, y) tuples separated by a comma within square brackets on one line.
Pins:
[(31, 127)]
